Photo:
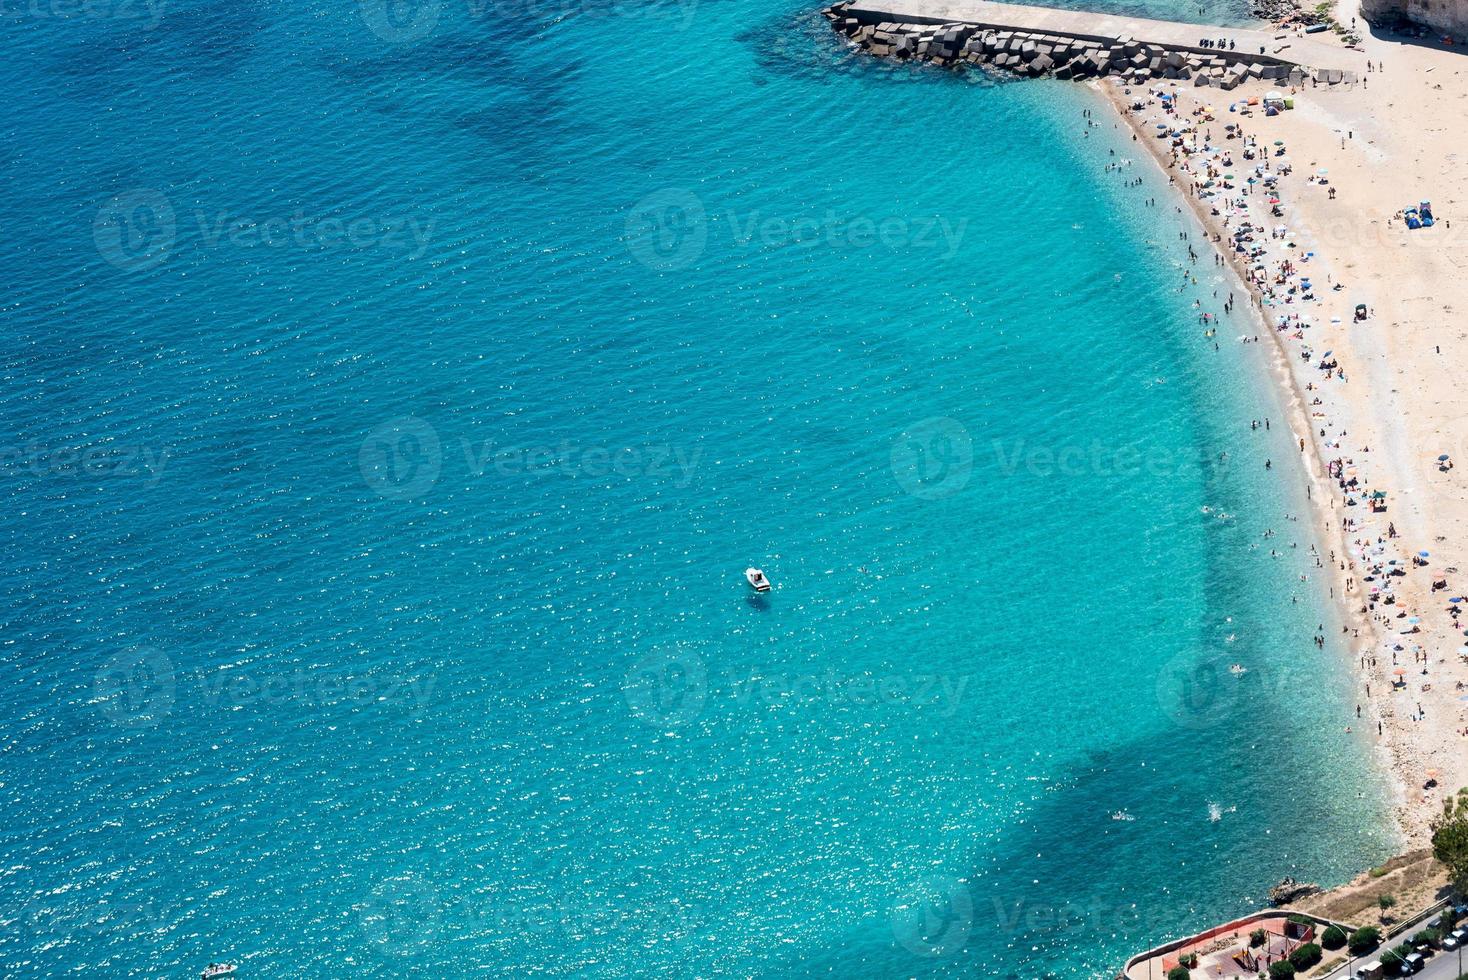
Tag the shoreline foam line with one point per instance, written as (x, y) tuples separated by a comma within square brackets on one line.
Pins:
[(1327, 502)]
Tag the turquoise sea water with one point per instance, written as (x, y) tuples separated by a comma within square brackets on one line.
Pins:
[(393, 398)]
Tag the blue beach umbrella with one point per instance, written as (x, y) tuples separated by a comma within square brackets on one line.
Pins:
[(1422, 554)]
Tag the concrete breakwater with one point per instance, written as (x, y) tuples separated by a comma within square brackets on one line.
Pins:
[(1000, 38)]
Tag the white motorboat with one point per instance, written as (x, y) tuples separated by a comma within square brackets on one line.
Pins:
[(214, 970), (757, 580)]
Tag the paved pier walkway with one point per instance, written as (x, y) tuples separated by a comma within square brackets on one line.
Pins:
[(1278, 47)]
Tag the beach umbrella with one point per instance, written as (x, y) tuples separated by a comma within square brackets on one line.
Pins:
[(1443, 458), (1423, 554), (1400, 672), (1322, 172)]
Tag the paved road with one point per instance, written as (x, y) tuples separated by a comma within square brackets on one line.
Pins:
[(1443, 966)]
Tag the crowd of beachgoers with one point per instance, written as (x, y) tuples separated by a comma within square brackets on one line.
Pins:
[(1229, 156)]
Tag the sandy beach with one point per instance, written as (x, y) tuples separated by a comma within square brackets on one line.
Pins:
[(1374, 402)]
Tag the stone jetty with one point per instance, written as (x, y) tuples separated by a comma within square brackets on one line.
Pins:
[(1036, 41)]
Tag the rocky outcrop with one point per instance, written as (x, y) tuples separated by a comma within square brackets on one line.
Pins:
[(1289, 890), (1447, 17)]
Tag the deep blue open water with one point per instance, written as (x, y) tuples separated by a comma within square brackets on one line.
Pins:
[(392, 397)]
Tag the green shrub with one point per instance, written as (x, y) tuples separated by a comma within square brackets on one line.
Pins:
[(1333, 938), (1259, 937), (1283, 970), (1386, 901), (1395, 956), (1364, 940), (1305, 956), (1189, 960), (1178, 973)]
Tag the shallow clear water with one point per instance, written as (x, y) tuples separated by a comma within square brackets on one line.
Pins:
[(393, 404)]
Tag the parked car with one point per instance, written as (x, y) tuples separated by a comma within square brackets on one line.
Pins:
[(1413, 964)]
